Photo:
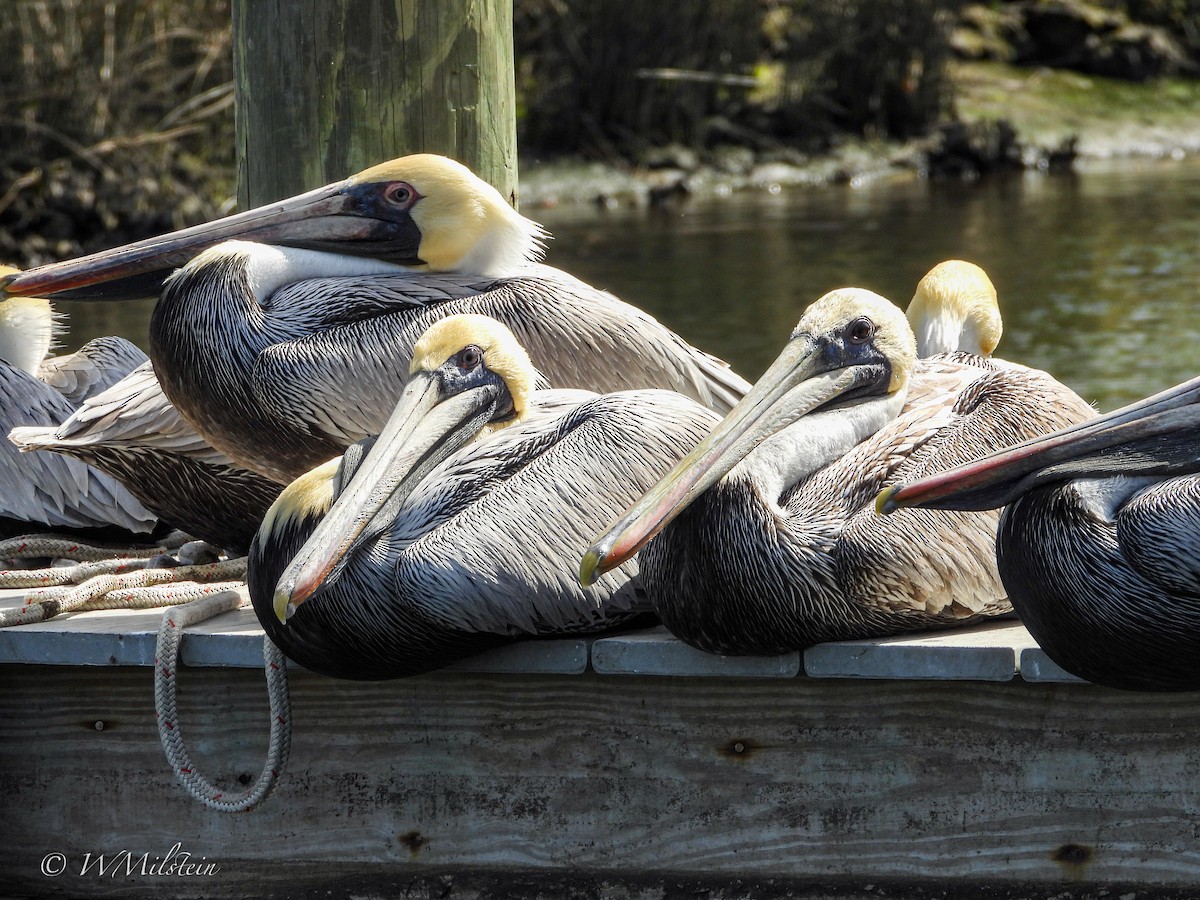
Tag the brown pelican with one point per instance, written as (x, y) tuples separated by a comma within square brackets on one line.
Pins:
[(133, 433), (43, 491), (954, 308), (460, 528), (281, 355), (1100, 542), (766, 538)]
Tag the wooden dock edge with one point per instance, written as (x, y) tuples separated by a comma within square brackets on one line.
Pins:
[(751, 782)]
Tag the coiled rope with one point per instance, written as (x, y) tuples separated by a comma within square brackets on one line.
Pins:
[(116, 591), (106, 578)]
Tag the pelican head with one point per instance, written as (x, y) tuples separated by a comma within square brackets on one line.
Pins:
[(851, 347), (955, 308), (27, 327), (464, 222), (423, 211), (469, 376), (1152, 437)]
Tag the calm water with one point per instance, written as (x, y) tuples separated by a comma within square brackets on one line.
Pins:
[(1096, 272)]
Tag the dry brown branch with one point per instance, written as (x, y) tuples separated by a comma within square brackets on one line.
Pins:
[(29, 179), (88, 155)]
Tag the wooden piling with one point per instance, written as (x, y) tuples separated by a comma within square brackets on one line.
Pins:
[(326, 88)]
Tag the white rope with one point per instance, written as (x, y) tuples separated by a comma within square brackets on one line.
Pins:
[(64, 547), (58, 575), (196, 593), (166, 656), (91, 560), (153, 597), (170, 586)]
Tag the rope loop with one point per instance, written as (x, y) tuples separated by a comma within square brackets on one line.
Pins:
[(174, 621)]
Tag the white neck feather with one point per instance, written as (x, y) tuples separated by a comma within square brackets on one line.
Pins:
[(509, 246), (1103, 498), (27, 328), (269, 268), (945, 333), (815, 440)]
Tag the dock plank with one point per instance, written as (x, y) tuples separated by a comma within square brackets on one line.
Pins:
[(656, 651), (981, 653), (993, 652), (934, 780), (1037, 667), (942, 767), (110, 637)]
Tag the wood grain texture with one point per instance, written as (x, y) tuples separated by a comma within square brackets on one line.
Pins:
[(758, 777), (326, 88)]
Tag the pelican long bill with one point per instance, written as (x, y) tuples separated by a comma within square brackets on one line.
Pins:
[(1154, 436), (799, 381), (425, 428), (340, 217)]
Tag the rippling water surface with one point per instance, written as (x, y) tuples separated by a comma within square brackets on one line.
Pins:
[(1096, 272)]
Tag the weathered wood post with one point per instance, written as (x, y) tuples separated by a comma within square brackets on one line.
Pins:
[(328, 87)]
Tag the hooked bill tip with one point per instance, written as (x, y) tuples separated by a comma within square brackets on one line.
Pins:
[(589, 567), (285, 608), (886, 503)]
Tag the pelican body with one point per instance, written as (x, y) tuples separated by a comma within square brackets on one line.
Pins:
[(92, 369), (1099, 543), (132, 432), (461, 526), (42, 491), (764, 537), (284, 344)]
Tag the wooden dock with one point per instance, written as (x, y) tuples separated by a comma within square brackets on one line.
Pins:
[(957, 761)]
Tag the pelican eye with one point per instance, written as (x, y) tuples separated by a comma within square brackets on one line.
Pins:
[(400, 193), (469, 357), (860, 331)]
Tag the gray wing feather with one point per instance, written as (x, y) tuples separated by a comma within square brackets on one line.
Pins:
[(49, 489), (134, 412), (136, 435), (94, 367), (343, 381)]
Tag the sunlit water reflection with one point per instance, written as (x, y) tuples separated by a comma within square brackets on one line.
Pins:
[(1096, 271)]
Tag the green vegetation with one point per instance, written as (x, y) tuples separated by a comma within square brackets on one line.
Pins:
[(118, 121), (1047, 105), (614, 78)]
